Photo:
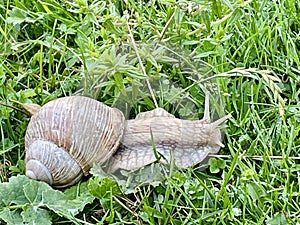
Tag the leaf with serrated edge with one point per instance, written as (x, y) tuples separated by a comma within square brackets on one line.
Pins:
[(12, 193), (29, 198), (64, 205)]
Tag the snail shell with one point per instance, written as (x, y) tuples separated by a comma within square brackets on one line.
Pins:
[(66, 136)]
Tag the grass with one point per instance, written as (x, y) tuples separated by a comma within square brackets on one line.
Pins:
[(54, 48)]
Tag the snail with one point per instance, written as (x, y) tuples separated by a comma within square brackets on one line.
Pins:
[(66, 136)]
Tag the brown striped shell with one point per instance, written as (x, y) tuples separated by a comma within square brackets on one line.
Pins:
[(66, 136)]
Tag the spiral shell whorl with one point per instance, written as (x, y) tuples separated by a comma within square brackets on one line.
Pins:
[(77, 131), (37, 171), (47, 162)]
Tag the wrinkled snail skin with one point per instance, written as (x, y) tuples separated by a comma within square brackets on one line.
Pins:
[(186, 142), (67, 135)]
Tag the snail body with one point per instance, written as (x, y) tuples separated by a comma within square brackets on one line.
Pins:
[(184, 141), (68, 135)]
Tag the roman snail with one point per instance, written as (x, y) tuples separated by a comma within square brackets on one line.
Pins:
[(66, 136)]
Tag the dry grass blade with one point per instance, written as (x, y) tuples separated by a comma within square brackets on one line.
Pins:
[(267, 75), (29, 107)]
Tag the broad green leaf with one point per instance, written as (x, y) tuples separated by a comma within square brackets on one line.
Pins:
[(100, 187), (128, 181), (12, 193), (18, 16), (67, 205), (28, 200), (35, 215), (277, 219), (33, 190), (216, 164), (104, 188), (11, 217), (27, 93)]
